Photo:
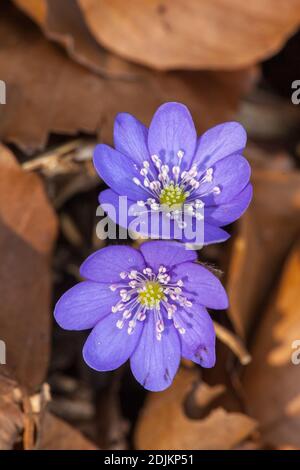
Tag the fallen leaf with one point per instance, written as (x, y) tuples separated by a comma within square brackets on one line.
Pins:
[(11, 416), (264, 236), (211, 34), (36, 9), (27, 233), (56, 434), (62, 22), (271, 381), (163, 423), (50, 93), (7, 158), (21, 423)]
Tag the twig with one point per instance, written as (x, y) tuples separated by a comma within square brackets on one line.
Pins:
[(233, 342), (75, 149)]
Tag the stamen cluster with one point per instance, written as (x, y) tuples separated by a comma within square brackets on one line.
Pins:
[(143, 291), (174, 191)]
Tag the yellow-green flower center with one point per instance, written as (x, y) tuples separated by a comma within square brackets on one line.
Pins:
[(151, 295), (172, 195)]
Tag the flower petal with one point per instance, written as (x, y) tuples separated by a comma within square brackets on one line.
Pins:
[(231, 175), (169, 254), (172, 129), (105, 265), (204, 288), (225, 214), (130, 138), (118, 171), (219, 142), (200, 232), (199, 340), (213, 234), (108, 347), (154, 363), (82, 306)]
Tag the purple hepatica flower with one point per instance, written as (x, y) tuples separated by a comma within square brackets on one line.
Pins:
[(167, 170), (146, 305)]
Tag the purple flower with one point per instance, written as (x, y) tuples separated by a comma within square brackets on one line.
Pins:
[(146, 305), (167, 170)]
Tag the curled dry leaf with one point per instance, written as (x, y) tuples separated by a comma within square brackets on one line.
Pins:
[(271, 381), (22, 421), (62, 97), (27, 233), (56, 434), (11, 416), (265, 234), (164, 412), (211, 34), (62, 22)]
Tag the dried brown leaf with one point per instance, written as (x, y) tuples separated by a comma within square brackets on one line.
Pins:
[(265, 234), (27, 233), (50, 93), (211, 34), (62, 22), (56, 434), (164, 413), (11, 416), (271, 381), (36, 9)]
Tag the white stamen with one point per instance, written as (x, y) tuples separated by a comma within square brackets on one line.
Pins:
[(216, 190), (136, 181), (176, 171), (144, 172)]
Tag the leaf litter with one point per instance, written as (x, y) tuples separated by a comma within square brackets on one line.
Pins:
[(79, 78)]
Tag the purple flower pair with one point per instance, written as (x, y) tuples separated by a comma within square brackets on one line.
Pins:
[(149, 305)]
